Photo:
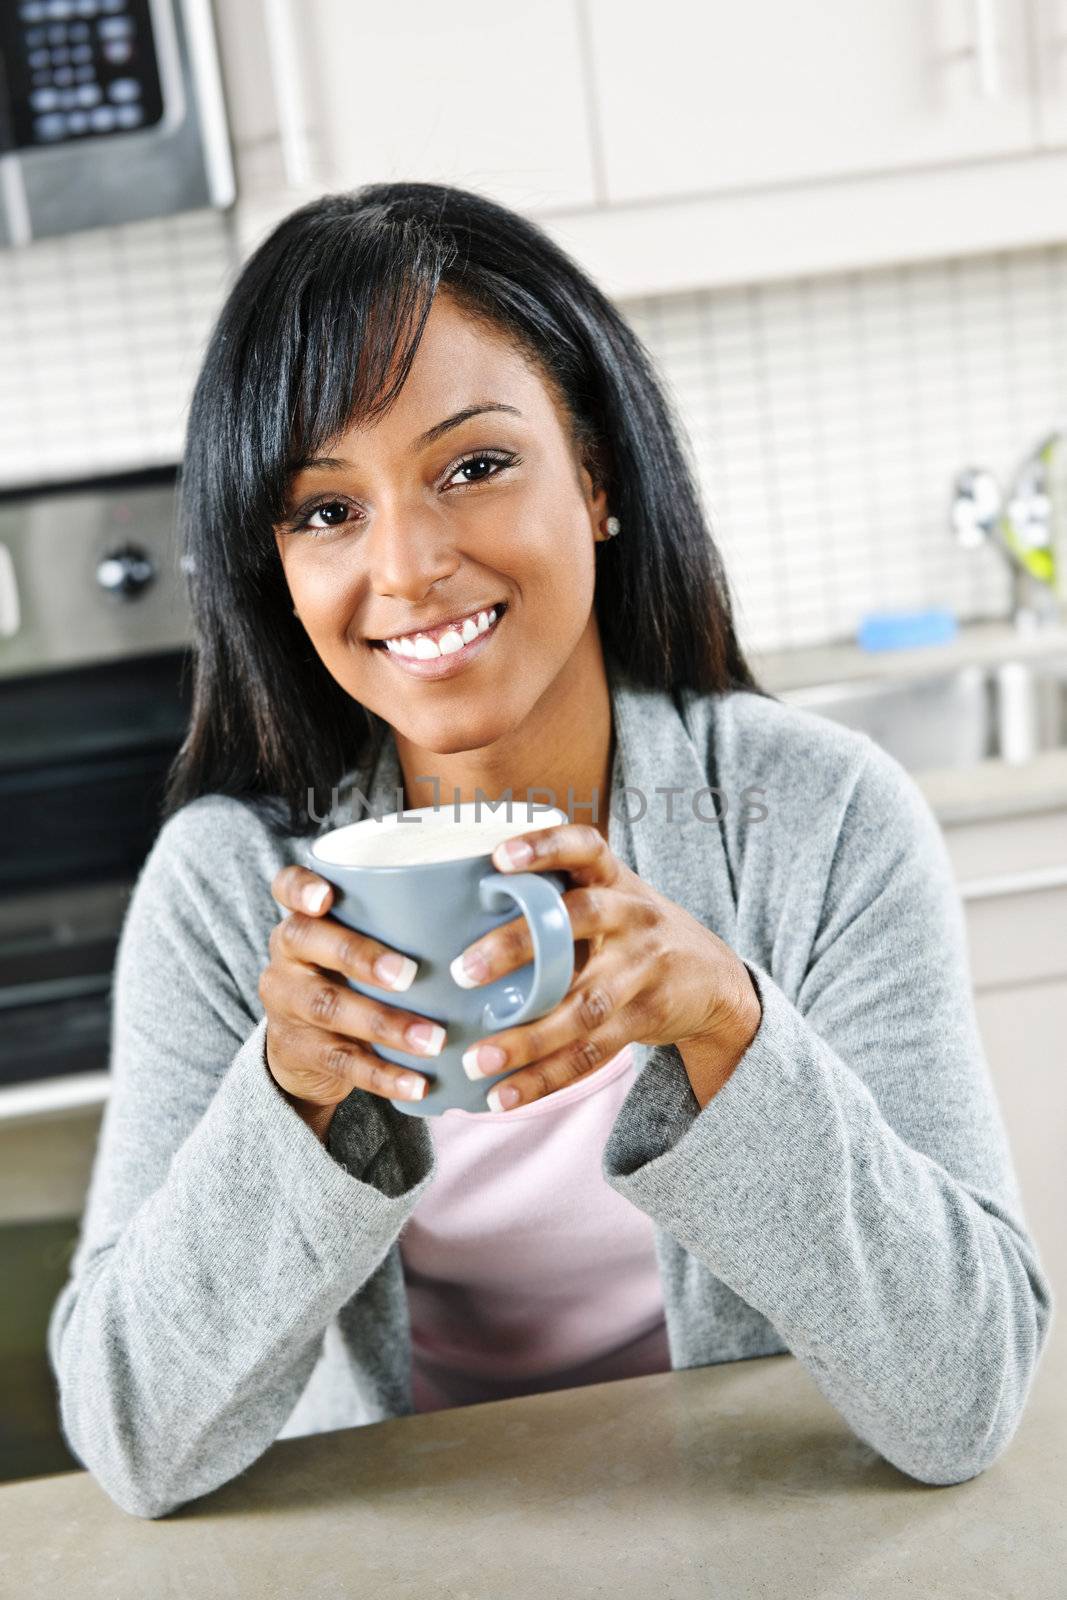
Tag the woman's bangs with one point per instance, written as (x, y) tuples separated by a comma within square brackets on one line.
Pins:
[(359, 324)]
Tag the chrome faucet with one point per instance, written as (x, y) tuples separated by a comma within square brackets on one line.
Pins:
[(1021, 529)]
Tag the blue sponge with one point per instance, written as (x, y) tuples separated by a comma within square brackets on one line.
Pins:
[(903, 630)]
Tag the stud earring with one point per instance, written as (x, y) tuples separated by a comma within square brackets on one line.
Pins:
[(611, 527)]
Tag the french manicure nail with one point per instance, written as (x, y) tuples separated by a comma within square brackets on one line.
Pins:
[(516, 852), (395, 971), (482, 1060), (410, 1085), (502, 1096), (469, 969), (427, 1037)]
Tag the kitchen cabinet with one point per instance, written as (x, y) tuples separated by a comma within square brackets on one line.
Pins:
[(671, 147), (1050, 54), (1024, 1026), (1013, 879), (488, 97), (772, 92)]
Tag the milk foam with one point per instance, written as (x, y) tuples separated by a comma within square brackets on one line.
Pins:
[(438, 835)]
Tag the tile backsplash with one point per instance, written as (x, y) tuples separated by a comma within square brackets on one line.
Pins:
[(827, 416), (101, 335)]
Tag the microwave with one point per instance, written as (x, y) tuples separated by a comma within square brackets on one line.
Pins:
[(111, 111)]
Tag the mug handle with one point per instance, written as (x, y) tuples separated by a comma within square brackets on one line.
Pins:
[(541, 903)]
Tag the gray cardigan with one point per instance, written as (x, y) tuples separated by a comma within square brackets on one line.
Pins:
[(848, 1195)]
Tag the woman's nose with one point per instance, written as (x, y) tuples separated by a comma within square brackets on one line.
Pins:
[(407, 553)]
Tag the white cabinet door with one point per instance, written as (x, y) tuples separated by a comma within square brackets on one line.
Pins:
[(1024, 1029), (697, 99), (1050, 53), (488, 97)]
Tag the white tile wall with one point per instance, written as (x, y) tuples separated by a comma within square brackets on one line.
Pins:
[(827, 416), (101, 335)]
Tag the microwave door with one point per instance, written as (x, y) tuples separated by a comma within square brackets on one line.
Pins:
[(111, 113)]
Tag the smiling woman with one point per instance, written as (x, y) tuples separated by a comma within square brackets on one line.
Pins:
[(445, 537), (415, 408)]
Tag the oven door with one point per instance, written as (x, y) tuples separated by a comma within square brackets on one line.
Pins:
[(84, 755)]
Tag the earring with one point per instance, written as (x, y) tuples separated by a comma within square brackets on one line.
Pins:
[(611, 527)]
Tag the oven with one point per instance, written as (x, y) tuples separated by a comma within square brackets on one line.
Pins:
[(95, 686)]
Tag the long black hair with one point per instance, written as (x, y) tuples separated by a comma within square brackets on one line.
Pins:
[(319, 331)]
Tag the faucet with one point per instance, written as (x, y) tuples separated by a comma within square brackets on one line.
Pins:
[(1021, 530)]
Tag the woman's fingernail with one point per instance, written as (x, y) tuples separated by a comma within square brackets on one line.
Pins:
[(482, 1060), (314, 896), (410, 1085), (395, 971), (502, 1096), (513, 853), (427, 1037), (469, 969)]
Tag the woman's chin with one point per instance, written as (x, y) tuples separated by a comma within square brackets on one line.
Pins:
[(458, 732)]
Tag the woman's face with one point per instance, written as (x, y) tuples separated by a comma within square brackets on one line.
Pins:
[(433, 516)]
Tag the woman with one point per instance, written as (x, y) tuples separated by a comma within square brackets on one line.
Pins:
[(415, 410)]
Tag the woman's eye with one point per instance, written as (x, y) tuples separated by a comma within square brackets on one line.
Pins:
[(475, 465), (331, 512)]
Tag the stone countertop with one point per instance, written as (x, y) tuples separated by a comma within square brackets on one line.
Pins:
[(987, 789), (738, 1479)]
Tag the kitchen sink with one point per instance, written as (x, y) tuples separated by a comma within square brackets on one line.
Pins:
[(1007, 710)]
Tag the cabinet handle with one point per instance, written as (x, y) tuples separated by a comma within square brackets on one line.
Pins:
[(10, 619), (985, 50), (1030, 882), (283, 48)]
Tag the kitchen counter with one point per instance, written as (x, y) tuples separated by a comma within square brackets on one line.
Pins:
[(986, 789), (735, 1480), (845, 661)]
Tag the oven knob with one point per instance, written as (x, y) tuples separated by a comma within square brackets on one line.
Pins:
[(125, 572)]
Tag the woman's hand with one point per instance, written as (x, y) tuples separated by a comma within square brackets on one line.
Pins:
[(653, 974), (318, 1028)]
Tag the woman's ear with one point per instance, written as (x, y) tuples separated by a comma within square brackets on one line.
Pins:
[(595, 491)]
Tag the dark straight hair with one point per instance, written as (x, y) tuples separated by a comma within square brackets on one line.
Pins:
[(319, 331)]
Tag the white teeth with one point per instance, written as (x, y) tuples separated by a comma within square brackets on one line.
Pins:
[(425, 648)]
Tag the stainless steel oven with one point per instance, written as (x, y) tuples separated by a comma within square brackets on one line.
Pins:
[(95, 678)]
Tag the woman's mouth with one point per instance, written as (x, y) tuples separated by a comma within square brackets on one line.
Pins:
[(441, 652)]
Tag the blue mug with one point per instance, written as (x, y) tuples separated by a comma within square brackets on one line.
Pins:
[(431, 910)]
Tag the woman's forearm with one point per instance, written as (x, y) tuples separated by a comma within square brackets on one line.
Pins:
[(181, 1344)]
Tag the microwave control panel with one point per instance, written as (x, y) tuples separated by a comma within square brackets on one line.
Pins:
[(77, 69)]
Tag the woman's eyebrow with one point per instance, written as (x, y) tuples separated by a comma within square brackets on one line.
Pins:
[(439, 428), (429, 437)]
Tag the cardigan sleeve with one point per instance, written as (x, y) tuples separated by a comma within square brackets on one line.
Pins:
[(852, 1179), (220, 1236)]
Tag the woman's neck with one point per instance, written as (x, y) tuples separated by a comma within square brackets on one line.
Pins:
[(565, 744)]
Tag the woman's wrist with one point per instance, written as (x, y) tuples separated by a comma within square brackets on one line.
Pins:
[(710, 1058), (318, 1118)]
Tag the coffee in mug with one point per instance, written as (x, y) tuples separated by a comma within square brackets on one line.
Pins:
[(397, 841)]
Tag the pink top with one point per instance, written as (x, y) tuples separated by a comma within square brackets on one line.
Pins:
[(525, 1270)]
